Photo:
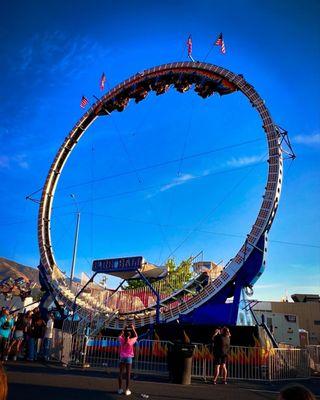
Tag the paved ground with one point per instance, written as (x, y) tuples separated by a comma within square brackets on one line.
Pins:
[(29, 381)]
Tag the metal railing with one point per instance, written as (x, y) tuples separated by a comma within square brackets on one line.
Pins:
[(151, 356), (289, 364), (314, 358)]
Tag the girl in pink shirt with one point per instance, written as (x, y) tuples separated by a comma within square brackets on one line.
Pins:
[(127, 340)]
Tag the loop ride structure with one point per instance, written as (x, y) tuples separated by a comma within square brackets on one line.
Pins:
[(191, 303)]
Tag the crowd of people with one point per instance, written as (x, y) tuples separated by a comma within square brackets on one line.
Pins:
[(25, 335)]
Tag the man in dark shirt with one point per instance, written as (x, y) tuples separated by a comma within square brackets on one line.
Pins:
[(221, 347), (36, 334)]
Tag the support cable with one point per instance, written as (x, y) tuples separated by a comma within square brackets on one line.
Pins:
[(213, 210), (157, 165), (163, 184)]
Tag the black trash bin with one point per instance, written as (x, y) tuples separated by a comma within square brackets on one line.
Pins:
[(180, 363)]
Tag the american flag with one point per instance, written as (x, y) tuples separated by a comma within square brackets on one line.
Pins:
[(220, 42), (102, 81), (189, 45), (84, 101)]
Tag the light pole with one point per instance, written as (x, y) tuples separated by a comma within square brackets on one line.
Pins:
[(75, 243)]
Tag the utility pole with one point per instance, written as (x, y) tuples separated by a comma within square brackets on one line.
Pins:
[(75, 243)]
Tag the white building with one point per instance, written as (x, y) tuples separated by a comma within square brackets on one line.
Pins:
[(284, 327)]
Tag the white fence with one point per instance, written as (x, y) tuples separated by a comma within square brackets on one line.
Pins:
[(151, 356)]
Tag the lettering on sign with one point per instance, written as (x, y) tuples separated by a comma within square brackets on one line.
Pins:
[(117, 264)]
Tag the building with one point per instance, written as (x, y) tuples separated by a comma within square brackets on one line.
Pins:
[(209, 266), (284, 327), (305, 307)]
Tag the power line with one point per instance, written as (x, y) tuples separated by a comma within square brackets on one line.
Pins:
[(128, 192), (157, 165), (160, 164), (235, 235)]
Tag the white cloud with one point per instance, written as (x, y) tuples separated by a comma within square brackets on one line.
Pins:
[(15, 160), (268, 286), (55, 54), (184, 178), (307, 139), (233, 163), (243, 161)]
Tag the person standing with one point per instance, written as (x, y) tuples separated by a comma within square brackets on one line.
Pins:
[(35, 334), (127, 340), (6, 324), (221, 347), (48, 335), (19, 330)]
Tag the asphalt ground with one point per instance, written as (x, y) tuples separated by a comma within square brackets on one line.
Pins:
[(30, 381)]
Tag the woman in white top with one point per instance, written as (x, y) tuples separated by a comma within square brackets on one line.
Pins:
[(48, 335)]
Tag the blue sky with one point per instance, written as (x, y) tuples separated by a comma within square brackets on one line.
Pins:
[(54, 52)]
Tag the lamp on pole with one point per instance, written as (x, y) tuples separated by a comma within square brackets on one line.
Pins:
[(75, 243)]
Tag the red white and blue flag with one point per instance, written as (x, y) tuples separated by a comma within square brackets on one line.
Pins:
[(84, 101), (102, 81), (220, 42), (189, 45)]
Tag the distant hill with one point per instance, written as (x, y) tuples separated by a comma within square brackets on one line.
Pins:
[(12, 269)]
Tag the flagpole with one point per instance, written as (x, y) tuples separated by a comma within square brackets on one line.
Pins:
[(207, 55), (75, 244)]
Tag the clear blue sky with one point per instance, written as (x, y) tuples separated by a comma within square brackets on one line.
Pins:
[(54, 52)]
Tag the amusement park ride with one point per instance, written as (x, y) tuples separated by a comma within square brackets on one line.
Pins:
[(191, 302)]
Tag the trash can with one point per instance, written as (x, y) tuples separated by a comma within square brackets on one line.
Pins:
[(180, 363)]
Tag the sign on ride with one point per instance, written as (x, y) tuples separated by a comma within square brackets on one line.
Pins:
[(117, 264)]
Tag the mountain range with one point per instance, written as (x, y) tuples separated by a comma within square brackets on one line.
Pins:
[(14, 270)]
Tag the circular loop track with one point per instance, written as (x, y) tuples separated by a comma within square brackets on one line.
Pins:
[(206, 79)]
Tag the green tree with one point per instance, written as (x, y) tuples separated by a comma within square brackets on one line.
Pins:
[(134, 284), (177, 276)]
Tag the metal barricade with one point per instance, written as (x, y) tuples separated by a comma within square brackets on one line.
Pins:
[(101, 352), (289, 364), (314, 358), (88, 351), (249, 363), (57, 345), (151, 356), (200, 359), (66, 348)]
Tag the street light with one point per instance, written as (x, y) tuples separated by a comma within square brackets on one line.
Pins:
[(75, 243)]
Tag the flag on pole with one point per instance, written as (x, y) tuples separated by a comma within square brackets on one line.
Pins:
[(102, 81), (220, 42), (84, 101), (189, 45)]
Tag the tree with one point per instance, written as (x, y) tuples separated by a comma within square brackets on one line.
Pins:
[(135, 284), (177, 276)]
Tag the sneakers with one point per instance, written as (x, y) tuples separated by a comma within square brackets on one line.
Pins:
[(127, 392)]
